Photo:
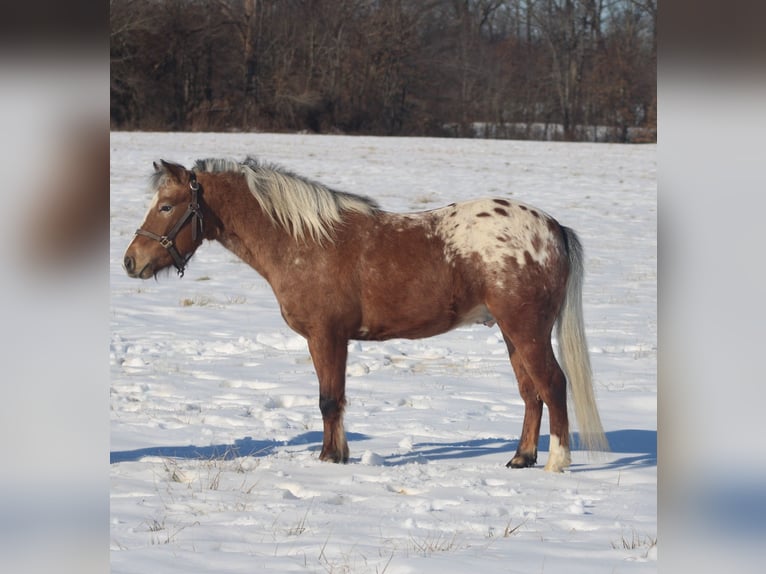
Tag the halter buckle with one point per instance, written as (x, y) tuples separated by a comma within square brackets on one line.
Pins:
[(166, 242)]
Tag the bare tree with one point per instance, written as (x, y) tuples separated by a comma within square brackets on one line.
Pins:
[(430, 67)]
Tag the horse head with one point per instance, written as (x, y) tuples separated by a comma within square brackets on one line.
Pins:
[(173, 227)]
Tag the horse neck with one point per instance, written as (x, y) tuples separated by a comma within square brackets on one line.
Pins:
[(241, 226)]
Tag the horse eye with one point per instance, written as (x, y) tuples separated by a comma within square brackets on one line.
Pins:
[(166, 208)]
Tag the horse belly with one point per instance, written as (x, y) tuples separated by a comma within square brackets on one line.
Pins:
[(409, 321), (401, 330), (410, 287), (415, 310)]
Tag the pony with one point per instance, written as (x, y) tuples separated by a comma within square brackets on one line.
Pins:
[(343, 269)]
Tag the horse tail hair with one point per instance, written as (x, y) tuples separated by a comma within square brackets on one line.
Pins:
[(573, 351)]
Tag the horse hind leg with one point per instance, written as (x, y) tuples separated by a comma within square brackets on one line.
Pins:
[(551, 386), (526, 452), (537, 362)]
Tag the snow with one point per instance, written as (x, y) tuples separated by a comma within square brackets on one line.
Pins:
[(215, 425)]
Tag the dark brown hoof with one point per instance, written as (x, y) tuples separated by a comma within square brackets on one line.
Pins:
[(335, 456), (522, 461)]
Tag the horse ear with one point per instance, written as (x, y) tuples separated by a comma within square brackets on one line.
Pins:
[(176, 171)]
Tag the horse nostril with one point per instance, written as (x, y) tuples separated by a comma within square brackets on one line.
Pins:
[(129, 263)]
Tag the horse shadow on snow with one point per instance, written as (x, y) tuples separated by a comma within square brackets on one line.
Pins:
[(638, 446)]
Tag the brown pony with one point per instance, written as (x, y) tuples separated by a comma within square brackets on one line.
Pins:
[(342, 268)]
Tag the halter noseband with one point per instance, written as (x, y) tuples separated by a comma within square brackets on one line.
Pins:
[(193, 212)]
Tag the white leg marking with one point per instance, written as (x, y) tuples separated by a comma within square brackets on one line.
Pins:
[(558, 457)]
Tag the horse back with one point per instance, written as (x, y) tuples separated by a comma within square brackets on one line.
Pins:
[(417, 275)]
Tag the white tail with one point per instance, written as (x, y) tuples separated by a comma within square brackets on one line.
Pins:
[(573, 351)]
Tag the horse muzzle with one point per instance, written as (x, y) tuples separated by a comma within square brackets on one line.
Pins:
[(130, 266)]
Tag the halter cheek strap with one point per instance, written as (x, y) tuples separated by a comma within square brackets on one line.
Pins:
[(193, 213)]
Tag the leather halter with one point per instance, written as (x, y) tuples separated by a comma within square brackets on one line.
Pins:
[(193, 213)]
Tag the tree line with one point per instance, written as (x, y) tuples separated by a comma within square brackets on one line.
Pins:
[(541, 69)]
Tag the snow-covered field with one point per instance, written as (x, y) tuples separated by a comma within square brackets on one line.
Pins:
[(215, 425)]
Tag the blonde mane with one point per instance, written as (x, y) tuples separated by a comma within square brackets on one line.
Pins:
[(298, 205)]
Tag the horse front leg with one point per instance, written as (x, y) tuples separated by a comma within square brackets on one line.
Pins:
[(329, 355)]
